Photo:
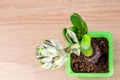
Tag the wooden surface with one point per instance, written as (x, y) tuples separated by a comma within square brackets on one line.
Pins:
[(25, 23)]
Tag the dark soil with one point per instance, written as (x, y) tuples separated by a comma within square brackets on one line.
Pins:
[(97, 63)]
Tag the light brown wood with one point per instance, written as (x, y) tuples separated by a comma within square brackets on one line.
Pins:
[(25, 23)]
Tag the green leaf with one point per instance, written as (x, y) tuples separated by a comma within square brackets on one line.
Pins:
[(72, 36), (86, 41), (86, 45), (74, 29), (87, 52), (76, 20), (79, 23), (84, 25), (69, 39), (65, 36)]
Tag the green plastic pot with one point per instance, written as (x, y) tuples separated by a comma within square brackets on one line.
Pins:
[(106, 35)]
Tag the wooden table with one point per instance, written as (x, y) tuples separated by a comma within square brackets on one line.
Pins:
[(25, 23)]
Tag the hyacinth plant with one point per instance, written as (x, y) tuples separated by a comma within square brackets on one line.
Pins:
[(51, 53), (78, 35)]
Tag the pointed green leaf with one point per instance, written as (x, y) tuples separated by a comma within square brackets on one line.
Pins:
[(87, 52), (69, 38), (79, 23), (84, 25), (65, 36), (86, 41), (74, 29), (76, 20), (72, 35), (86, 45)]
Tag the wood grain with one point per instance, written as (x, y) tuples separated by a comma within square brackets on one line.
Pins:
[(25, 23)]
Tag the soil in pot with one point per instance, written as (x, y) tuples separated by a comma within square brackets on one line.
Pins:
[(97, 63)]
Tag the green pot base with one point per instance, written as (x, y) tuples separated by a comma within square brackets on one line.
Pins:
[(106, 35)]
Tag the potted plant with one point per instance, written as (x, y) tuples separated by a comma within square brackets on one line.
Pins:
[(88, 54)]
